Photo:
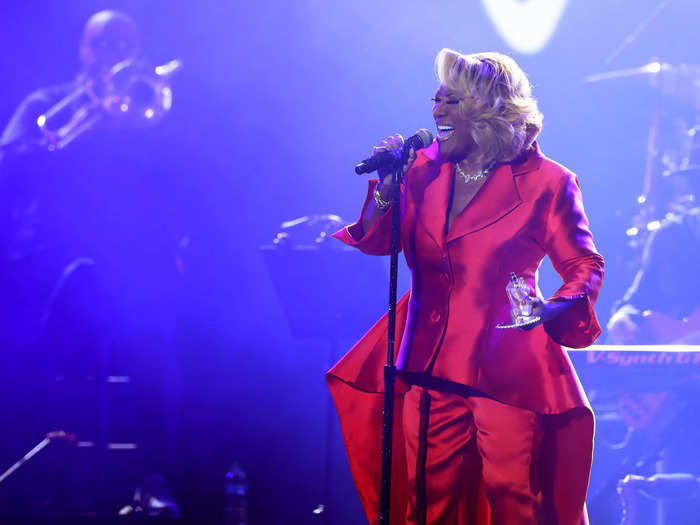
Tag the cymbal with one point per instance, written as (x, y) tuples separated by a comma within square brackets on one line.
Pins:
[(651, 68), (682, 81)]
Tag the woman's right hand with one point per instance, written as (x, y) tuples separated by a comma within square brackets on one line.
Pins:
[(393, 144)]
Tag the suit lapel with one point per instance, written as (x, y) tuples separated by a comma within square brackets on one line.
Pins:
[(435, 200), (496, 198)]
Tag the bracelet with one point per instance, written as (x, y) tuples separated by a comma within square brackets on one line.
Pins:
[(379, 202)]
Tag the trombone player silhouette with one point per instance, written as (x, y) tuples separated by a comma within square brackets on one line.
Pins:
[(88, 239), (114, 82)]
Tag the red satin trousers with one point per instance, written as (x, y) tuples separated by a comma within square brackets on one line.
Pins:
[(459, 448)]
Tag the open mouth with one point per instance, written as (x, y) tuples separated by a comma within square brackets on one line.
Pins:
[(444, 132)]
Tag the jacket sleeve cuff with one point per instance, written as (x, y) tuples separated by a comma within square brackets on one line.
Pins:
[(575, 327), (376, 241)]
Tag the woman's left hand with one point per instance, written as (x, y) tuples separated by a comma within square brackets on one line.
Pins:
[(545, 311)]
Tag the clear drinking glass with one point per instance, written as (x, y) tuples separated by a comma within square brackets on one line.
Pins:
[(521, 303)]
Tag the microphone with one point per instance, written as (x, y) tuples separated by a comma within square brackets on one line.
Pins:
[(421, 139)]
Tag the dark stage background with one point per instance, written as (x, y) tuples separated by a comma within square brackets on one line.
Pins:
[(275, 104)]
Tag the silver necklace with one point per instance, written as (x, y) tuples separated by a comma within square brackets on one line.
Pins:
[(472, 177)]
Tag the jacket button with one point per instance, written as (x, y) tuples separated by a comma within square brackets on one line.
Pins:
[(435, 316), (445, 277)]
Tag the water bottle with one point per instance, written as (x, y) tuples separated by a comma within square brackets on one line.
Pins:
[(236, 496)]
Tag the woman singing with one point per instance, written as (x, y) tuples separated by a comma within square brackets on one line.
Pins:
[(491, 425)]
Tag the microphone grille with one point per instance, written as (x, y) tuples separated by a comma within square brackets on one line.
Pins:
[(423, 139)]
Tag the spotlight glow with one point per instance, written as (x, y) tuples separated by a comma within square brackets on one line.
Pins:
[(525, 25)]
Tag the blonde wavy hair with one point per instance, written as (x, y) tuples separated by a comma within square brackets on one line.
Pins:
[(496, 99)]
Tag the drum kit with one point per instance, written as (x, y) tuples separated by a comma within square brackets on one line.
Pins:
[(668, 194), (672, 167)]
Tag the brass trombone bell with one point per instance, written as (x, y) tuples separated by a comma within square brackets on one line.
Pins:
[(132, 95)]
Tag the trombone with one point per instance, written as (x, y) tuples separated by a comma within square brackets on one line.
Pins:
[(132, 94)]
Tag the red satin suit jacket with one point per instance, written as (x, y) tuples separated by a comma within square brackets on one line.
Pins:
[(527, 209)]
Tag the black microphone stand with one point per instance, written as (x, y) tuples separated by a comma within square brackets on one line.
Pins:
[(390, 368)]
